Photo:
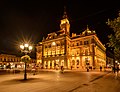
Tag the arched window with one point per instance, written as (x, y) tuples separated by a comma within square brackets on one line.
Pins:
[(4, 59), (77, 62), (77, 44), (73, 62), (80, 42), (87, 61), (86, 51)]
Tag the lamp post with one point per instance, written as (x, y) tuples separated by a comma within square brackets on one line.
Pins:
[(26, 48)]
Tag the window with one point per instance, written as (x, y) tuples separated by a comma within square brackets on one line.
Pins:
[(4, 59), (86, 42), (62, 43), (92, 40), (53, 44), (77, 44), (49, 46), (77, 62), (78, 52), (45, 46), (86, 61), (53, 52), (73, 62), (62, 50), (86, 51), (73, 44), (80, 42), (50, 63), (49, 52), (57, 51)]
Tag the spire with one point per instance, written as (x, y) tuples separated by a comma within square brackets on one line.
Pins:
[(65, 13), (65, 25), (87, 29)]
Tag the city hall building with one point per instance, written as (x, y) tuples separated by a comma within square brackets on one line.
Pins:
[(76, 51)]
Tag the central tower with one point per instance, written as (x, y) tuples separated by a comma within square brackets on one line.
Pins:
[(65, 25)]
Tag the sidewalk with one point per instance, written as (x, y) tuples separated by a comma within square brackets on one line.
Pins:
[(76, 70)]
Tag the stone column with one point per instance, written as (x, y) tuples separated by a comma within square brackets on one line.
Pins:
[(65, 53), (93, 55)]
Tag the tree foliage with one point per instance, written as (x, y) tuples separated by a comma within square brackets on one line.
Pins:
[(114, 39), (25, 58)]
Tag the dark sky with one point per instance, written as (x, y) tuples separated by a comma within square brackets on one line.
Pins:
[(30, 20)]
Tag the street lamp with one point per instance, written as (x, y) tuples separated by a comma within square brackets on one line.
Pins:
[(116, 61), (26, 48)]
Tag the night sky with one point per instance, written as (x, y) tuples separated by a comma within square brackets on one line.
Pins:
[(30, 20)]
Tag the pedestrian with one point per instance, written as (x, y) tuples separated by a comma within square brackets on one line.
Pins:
[(90, 67), (113, 69), (71, 67), (87, 69), (100, 68), (117, 69), (116, 72), (34, 70), (105, 68), (62, 69)]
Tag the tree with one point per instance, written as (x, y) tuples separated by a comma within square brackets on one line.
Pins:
[(114, 39), (25, 59)]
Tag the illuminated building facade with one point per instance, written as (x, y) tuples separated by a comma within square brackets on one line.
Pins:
[(8, 60), (12, 61), (76, 51)]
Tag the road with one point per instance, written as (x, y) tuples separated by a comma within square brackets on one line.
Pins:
[(54, 81)]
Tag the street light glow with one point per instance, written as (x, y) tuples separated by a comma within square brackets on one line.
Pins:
[(26, 45), (21, 46), (116, 61), (30, 47)]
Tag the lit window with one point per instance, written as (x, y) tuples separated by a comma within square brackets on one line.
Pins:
[(86, 42), (53, 43), (77, 62), (73, 62), (77, 44), (80, 42)]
